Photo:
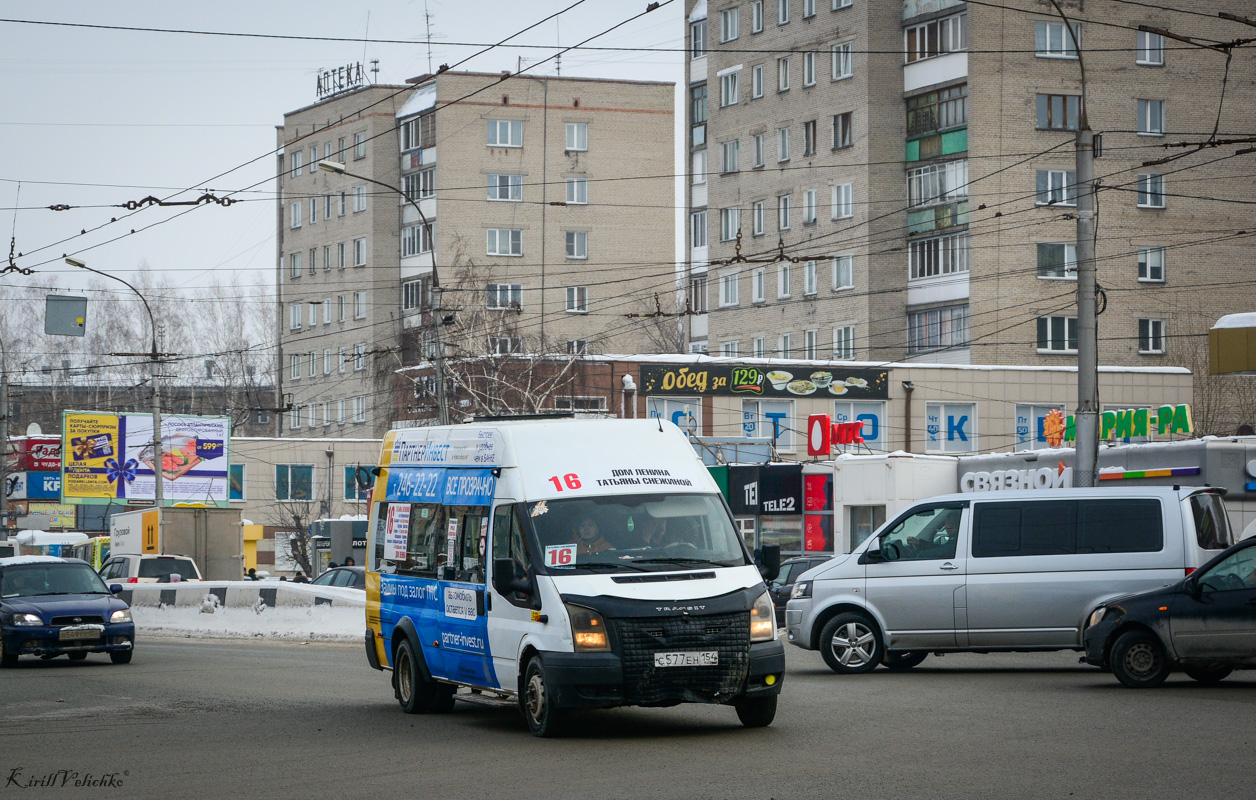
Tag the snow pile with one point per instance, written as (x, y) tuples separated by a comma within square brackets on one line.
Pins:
[(213, 621)]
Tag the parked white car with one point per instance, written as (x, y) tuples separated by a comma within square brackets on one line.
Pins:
[(123, 569)]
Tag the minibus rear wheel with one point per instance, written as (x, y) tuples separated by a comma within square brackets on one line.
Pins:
[(415, 693), (536, 701)]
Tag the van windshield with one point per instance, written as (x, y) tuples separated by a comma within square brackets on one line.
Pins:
[(636, 532), (1212, 524)]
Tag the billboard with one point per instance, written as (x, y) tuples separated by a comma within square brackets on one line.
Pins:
[(33, 486), (800, 380), (109, 457)]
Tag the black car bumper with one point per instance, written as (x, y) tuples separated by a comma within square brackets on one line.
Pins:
[(1095, 641), (599, 680), (39, 640)]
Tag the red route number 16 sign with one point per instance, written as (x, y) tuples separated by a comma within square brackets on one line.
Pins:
[(823, 433)]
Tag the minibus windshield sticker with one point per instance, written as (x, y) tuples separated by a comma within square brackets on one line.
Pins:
[(453, 487), (539, 509), (460, 602), (643, 477), (452, 537), (397, 532), (560, 555)]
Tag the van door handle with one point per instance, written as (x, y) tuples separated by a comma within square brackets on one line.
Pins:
[(948, 566)]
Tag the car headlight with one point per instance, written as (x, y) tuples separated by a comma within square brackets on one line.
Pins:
[(763, 619), (588, 630), (124, 615), (27, 619), (801, 589)]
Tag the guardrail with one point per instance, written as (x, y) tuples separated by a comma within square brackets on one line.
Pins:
[(240, 594)]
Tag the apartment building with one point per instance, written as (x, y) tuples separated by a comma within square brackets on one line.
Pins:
[(539, 206), (895, 180)]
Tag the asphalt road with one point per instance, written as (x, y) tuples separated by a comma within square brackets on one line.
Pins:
[(205, 719)]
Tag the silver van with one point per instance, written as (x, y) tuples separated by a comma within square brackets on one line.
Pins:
[(999, 571)]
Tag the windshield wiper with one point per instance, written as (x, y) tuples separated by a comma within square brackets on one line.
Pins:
[(605, 564), (680, 560)]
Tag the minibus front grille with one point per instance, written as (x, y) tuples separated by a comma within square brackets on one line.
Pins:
[(659, 578), (640, 638)]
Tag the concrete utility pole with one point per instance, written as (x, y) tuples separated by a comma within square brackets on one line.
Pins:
[(4, 454)]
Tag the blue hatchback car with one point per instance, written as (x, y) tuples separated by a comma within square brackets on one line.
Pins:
[(54, 606)]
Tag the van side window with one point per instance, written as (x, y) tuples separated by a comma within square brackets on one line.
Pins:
[(417, 522), (1119, 526), (1212, 525), (472, 532), (931, 533), (1032, 528), (509, 542)]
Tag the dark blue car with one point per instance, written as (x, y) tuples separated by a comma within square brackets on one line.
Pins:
[(50, 606)]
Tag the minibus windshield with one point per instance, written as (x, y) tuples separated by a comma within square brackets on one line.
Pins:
[(636, 532)]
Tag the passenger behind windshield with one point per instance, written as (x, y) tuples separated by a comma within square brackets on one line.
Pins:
[(633, 530), (35, 580)]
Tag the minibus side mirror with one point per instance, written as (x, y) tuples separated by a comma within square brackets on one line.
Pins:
[(770, 561), (504, 579), (872, 556)]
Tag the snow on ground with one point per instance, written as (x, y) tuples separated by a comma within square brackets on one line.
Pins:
[(304, 623)]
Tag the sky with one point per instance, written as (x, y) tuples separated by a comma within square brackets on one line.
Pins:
[(95, 119)]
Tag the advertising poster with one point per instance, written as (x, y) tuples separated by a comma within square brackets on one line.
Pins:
[(110, 457)]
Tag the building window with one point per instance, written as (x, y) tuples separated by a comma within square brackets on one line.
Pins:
[(698, 114), (808, 8), (950, 427), (936, 256), (809, 281), (359, 199), (1150, 191), (729, 24), (294, 265), (505, 187), (937, 37), (843, 136), (841, 4), (340, 410), (730, 223), (294, 366), (313, 372), (729, 349), (937, 183), (937, 111), (359, 146), (937, 328), (1150, 49), (729, 87), (844, 342), (359, 305), (340, 307), (699, 167), (759, 347), (782, 144), (327, 259), (297, 217), (359, 408), (728, 290), (1151, 336), (359, 357), (756, 16), (843, 272), (294, 481), (810, 348), (578, 299), (782, 12), (1151, 117), (809, 68), (809, 138), (808, 206), (756, 81), (412, 298), (782, 74), (313, 211), (1058, 112), (505, 296), (1057, 261), (1052, 40), (760, 149), (416, 239), (358, 477), (730, 152), (577, 244), (698, 229), (783, 281), (343, 362), (578, 191), (1057, 187), (326, 310), (577, 137), (843, 200), (505, 133), (313, 315), (505, 242), (698, 294), (1151, 264), (1057, 334), (340, 255), (359, 252), (756, 217), (843, 66), (504, 345), (416, 133), (785, 345), (697, 39), (326, 206), (758, 285), (578, 347), (340, 211)]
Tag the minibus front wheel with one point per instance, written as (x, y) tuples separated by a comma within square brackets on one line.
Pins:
[(537, 702), (416, 692)]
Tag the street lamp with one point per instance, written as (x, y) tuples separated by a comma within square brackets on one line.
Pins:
[(338, 168), (153, 357)]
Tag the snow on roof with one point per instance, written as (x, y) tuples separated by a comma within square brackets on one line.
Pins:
[(423, 99), (1247, 320), (45, 538), (13, 560), (699, 11)]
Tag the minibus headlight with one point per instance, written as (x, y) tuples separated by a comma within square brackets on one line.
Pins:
[(588, 630), (123, 615), (801, 589), (27, 619), (762, 619)]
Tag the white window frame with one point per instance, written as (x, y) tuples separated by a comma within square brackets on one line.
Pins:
[(728, 289), (783, 280), (416, 239), (577, 191), (784, 208), (756, 82), (782, 144), (730, 24), (1063, 46), (294, 366), (808, 8), (359, 199), (757, 217), (1150, 49), (782, 74), (359, 408), (511, 128), (785, 345), (697, 38), (782, 12), (298, 161), (758, 285), (1151, 190), (808, 206), (935, 38), (698, 229), (942, 328), (843, 62), (1061, 183), (359, 252), (504, 187), (1069, 261), (359, 145), (730, 223), (577, 245), (760, 149), (1055, 337), (504, 297), (1151, 118), (1150, 262), (359, 305), (699, 159), (729, 349), (810, 344), (844, 342), (340, 411), (504, 242), (937, 440), (759, 347), (730, 87), (810, 282), (937, 256), (809, 68), (577, 137), (730, 156), (756, 16), (937, 183), (359, 357), (297, 216), (843, 272), (843, 198), (294, 265), (577, 299), (1151, 336)]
